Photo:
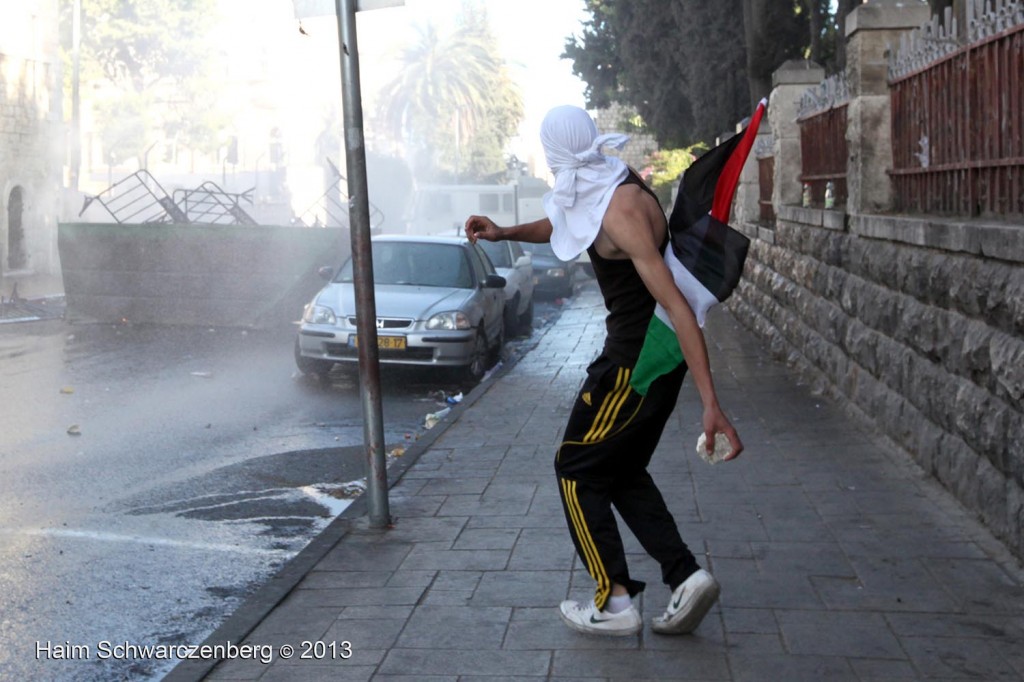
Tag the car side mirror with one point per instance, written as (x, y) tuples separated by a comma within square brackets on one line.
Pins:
[(326, 272), (523, 261), (494, 282)]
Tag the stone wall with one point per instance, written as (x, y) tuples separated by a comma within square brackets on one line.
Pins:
[(640, 146), (925, 342), (31, 135), (916, 324)]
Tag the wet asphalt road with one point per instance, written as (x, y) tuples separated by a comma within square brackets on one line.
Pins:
[(152, 477)]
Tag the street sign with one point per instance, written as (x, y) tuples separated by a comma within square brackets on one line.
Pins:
[(304, 9)]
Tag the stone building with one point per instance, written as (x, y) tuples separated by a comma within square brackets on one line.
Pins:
[(641, 145), (31, 137), (912, 318)]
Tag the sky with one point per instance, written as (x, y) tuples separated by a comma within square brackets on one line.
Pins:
[(301, 74), (531, 36)]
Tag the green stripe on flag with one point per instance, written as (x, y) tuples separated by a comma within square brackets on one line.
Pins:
[(660, 355)]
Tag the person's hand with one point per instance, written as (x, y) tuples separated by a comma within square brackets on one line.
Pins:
[(715, 421), (481, 227)]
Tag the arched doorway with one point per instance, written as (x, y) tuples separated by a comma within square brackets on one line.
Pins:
[(15, 230)]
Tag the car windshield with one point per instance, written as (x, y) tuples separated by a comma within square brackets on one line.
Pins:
[(497, 252), (416, 264)]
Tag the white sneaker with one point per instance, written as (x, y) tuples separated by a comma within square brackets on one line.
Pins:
[(586, 618), (688, 605)]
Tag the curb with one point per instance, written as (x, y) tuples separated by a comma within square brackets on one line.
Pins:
[(259, 605)]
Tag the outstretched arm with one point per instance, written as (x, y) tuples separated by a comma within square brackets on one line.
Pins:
[(482, 227), (628, 225)]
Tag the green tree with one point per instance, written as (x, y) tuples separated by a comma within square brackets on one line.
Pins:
[(655, 56), (454, 104), (148, 61), (667, 165), (774, 31), (694, 68)]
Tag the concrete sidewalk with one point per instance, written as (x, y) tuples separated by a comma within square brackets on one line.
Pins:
[(838, 559)]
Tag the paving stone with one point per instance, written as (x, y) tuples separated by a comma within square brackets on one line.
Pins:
[(874, 670), (540, 551), (944, 657), (422, 529), (365, 635), (467, 662), (455, 627), (487, 538), (411, 578), (342, 596), (318, 579), (1008, 627), (456, 486), (804, 558), (482, 505), (315, 673), (380, 557), (462, 560), (296, 618), (988, 590), (753, 668), (237, 669), (748, 643), (391, 611), (827, 633), (655, 665), (838, 560), (522, 588)]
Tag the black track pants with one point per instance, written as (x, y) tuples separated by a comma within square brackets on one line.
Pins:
[(608, 443)]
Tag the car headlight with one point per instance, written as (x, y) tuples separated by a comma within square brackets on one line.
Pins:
[(454, 320), (555, 272), (319, 314)]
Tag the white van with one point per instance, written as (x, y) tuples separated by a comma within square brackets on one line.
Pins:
[(443, 209)]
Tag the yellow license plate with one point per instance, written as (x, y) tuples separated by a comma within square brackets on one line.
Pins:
[(384, 342)]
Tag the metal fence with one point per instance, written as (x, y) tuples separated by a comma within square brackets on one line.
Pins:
[(958, 120), (823, 155), (823, 148)]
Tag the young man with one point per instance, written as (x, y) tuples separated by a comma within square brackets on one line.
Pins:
[(600, 205)]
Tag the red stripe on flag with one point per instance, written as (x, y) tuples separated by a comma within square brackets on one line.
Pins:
[(725, 188)]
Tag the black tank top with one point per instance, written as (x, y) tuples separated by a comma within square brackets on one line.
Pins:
[(629, 303)]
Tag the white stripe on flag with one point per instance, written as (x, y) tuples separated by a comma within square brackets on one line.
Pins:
[(695, 293)]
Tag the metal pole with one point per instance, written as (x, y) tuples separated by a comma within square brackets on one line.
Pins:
[(362, 261)]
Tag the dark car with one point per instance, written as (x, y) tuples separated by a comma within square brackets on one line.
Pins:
[(552, 276)]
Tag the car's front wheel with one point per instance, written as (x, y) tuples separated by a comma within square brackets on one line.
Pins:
[(526, 320), (496, 349), (512, 317), (474, 371), (313, 366)]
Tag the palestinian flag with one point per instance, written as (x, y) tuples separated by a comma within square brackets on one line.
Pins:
[(705, 255)]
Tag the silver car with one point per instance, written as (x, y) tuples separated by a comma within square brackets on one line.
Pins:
[(439, 303), (515, 266)]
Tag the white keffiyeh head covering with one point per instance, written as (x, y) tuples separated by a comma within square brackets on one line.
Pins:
[(584, 178)]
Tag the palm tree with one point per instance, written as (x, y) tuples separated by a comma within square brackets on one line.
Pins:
[(447, 95)]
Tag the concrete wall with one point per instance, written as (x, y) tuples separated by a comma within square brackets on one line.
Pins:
[(194, 275), (916, 324)]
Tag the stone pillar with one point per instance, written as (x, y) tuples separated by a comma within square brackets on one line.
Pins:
[(871, 29), (788, 84), (744, 209)]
